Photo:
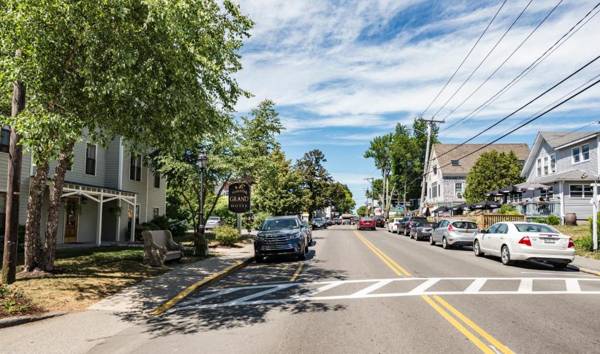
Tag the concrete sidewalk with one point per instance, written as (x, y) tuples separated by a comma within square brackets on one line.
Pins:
[(152, 292), (587, 264)]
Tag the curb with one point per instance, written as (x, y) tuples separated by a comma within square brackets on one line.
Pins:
[(585, 270), (165, 306), (18, 320)]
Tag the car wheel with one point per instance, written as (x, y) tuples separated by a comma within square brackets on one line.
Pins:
[(302, 255), (505, 255), (445, 244), (477, 249), (431, 241), (259, 259)]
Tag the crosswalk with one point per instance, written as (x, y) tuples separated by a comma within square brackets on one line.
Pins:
[(264, 294)]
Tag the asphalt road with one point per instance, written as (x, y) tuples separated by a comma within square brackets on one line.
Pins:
[(375, 292)]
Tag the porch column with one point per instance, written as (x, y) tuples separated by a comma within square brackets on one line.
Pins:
[(132, 236), (119, 221), (99, 221), (562, 202)]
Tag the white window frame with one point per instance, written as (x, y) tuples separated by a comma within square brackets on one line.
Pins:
[(553, 163), (460, 190), (539, 166), (583, 191), (579, 154), (95, 159), (546, 165)]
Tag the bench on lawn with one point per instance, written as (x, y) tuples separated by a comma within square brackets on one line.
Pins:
[(159, 247)]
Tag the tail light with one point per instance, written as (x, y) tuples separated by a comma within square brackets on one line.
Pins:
[(450, 228), (525, 241), (571, 243)]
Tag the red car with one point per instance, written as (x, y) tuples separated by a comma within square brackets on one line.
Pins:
[(367, 223)]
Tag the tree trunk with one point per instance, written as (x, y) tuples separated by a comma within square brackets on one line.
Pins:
[(33, 242), (11, 222), (55, 204)]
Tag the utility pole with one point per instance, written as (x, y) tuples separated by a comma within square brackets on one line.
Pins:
[(11, 222), (430, 122), (595, 216)]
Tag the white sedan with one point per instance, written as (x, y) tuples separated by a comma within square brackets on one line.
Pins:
[(392, 226), (525, 241)]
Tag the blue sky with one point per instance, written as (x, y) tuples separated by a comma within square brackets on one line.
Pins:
[(342, 72)]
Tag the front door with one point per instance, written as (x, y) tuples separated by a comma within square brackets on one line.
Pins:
[(71, 219)]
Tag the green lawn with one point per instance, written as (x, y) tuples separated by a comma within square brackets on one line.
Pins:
[(582, 237)]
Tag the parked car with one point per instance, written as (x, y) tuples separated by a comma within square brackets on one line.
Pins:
[(404, 227), (454, 233), (392, 226), (367, 222), (330, 222), (525, 241), (380, 221), (421, 230), (282, 235), (213, 222), (319, 223)]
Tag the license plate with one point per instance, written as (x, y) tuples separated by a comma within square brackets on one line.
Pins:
[(549, 240)]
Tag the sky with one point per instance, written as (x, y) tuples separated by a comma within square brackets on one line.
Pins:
[(343, 72)]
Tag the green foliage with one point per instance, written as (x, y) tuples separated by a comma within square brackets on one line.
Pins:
[(493, 170), (508, 209), (315, 180), (222, 211), (591, 223), (362, 210), (259, 218), (227, 235), (341, 197), (549, 220), (584, 243), (14, 303)]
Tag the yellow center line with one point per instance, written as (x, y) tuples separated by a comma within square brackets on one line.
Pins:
[(297, 272), (443, 308)]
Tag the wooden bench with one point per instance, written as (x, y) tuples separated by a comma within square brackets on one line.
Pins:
[(159, 248)]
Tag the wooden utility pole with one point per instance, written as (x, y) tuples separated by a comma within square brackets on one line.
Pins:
[(11, 223), (430, 122)]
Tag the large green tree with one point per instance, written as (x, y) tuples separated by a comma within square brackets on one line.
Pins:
[(380, 150), (158, 72), (340, 197), (315, 180), (493, 170)]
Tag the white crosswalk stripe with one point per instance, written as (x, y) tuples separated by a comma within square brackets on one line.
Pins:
[(382, 288)]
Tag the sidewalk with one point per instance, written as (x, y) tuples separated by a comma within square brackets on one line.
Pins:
[(152, 292), (587, 264)]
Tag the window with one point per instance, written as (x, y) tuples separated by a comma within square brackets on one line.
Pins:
[(5, 139), (502, 229), (90, 159), (585, 152), (580, 191), (539, 167), (435, 170), (156, 180), (439, 191), (546, 165), (155, 212), (434, 190), (135, 167), (575, 154), (455, 162), (458, 189), (553, 163)]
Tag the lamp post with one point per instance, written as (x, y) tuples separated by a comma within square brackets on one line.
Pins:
[(201, 244)]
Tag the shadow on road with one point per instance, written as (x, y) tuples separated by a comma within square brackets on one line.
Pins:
[(195, 320)]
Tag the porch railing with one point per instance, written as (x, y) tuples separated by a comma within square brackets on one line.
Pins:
[(540, 208)]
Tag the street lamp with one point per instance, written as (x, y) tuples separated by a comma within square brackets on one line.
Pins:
[(201, 244)]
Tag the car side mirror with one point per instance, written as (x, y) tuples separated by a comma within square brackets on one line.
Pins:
[(484, 231)]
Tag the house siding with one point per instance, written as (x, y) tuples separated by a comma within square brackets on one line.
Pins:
[(590, 166)]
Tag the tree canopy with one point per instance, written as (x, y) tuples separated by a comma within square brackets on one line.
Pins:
[(493, 170)]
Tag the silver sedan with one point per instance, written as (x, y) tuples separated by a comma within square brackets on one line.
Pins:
[(452, 233)]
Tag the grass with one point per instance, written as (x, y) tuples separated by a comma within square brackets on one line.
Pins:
[(15, 303), (581, 237), (84, 276)]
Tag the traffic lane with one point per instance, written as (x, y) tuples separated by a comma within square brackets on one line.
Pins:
[(368, 325), (525, 323), (425, 260)]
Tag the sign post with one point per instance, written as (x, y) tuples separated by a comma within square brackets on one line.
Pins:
[(595, 217), (239, 200)]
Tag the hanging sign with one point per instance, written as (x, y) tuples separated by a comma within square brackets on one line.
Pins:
[(239, 197)]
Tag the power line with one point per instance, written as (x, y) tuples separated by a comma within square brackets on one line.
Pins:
[(505, 60), (484, 59), (525, 105), (565, 37), (465, 58)]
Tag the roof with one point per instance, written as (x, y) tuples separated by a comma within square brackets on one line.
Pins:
[(561, 139), (466, 163), (571, 175)]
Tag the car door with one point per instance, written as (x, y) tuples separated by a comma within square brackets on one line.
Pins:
[(501, 235), (487, 238), (438, 232)]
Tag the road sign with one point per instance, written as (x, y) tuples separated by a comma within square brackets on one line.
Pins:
[(239, 197)]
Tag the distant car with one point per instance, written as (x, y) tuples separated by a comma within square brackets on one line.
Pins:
[(525, 241), (404, 227), (454, 233), (367, 223), (421, 230), (213, 222), (330, 222), (282, 235), (392, 226), (338, 221), (319, 223), (380, 221)]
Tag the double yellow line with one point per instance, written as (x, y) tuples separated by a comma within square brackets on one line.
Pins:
[(457, 319)]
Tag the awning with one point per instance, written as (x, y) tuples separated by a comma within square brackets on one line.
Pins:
[(530, 186), (486, 205)]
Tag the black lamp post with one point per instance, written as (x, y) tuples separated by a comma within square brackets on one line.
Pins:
[(201, 244)]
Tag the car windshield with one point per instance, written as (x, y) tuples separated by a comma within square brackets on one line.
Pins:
[(214, 218), (280, 224), (465, 225), (535, 228), (419, 220), (366, 218)]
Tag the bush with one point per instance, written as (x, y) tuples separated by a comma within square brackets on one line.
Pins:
[(584, 243), (553, 220), (227, 235), (508, 209), (259, 218)]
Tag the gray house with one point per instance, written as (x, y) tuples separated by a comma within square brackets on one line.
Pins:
[(564, 165), (106, 189), (448, 170)]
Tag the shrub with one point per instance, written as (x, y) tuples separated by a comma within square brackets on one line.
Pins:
[(259, 218), (227, 235), (553, 220), (508, 209), (584, 243)]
